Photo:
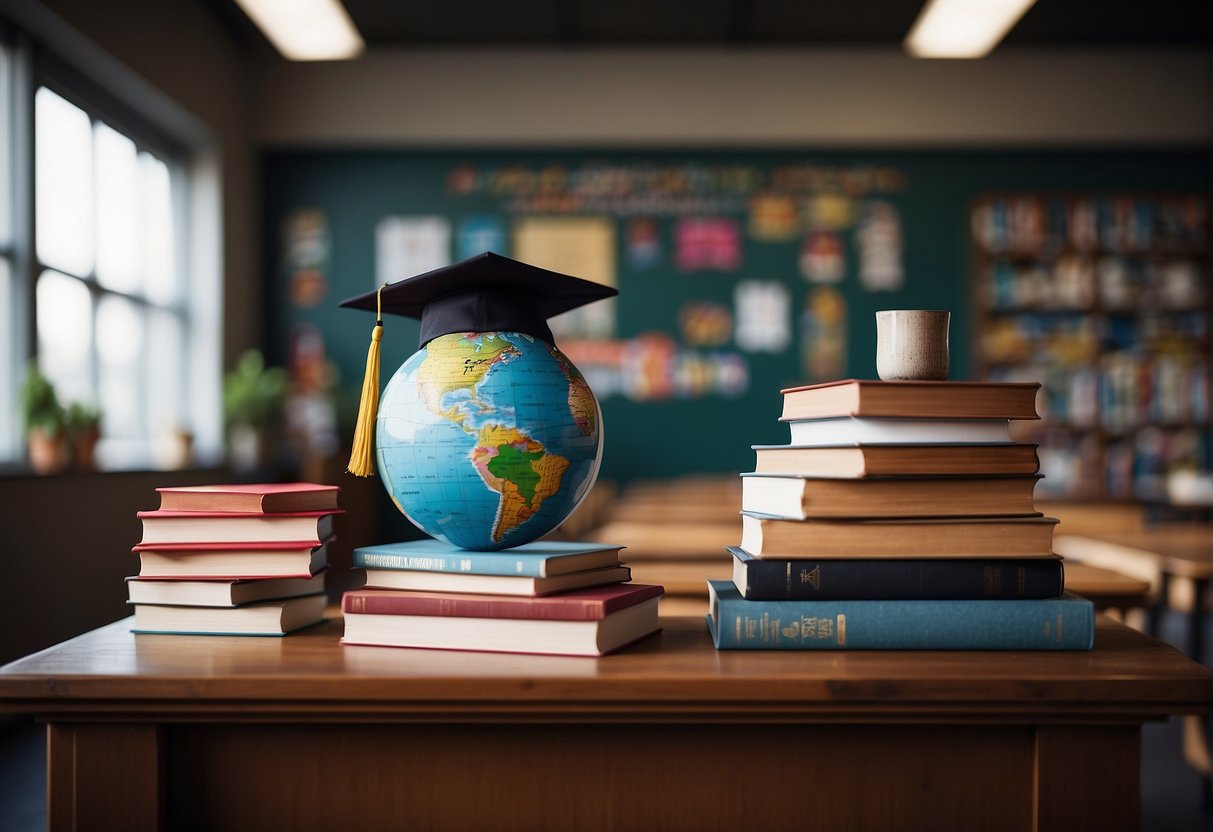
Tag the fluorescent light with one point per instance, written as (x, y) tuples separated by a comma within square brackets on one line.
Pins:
[(306, 30), (963, 28)]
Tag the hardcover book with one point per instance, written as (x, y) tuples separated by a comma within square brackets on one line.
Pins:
[(214, 561), (912, 399), (494, 584), (906, 579), (1065, 623), (852, 430), (252, 498), (579, 605), (268, 618), (220, 593), (976, 537), (162, 526), (858, 461), (542, 559), (804, 497), (617, 627)]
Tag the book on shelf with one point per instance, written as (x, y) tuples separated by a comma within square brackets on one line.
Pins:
[(978, 537), (912, 399), (856, 461), (266, 618), (282, 559), (467, 582), (542, 559), (251, 498), (856, 430), (162, 526), (587, 622), (896, 579), (800, 497), (220, 593), (1064, 623)]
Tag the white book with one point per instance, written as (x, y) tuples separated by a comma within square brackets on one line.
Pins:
[(268, 618), (854, 430), (493, 584), (220, 593)]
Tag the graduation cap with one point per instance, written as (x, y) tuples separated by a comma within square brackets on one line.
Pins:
[(484, 293)]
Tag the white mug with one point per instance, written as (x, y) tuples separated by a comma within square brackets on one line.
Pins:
[(912, 344)]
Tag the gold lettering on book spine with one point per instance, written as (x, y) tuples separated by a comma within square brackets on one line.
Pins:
[(842, 630), (812, 577)]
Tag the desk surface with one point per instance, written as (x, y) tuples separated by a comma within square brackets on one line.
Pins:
[(1185, 550), (673, 676)]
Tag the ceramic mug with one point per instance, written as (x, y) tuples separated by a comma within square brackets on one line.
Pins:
[(912, 344)]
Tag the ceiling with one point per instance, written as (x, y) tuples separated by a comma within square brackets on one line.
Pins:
[(740, 23)]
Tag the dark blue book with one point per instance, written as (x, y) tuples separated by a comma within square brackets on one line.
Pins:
[(888, 579), (1065, 623)]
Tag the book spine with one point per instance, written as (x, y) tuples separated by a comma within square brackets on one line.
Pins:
[(1049, 624), (832, 580), (472, 563), (472, 606)]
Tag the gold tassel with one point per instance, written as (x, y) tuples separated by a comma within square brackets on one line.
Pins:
[(362, 461)]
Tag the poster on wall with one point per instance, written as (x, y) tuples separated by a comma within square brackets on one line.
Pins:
[(763, 310), (476, 235), (880, 247), (306, 245), (707, 244), (407, 246), (580, 246), (643, 240), (821, 258), (774, 218), (705, 324), (823, 335)]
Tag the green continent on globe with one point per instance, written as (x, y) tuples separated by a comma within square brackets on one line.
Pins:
[(452, 364), (581, 399), (518, 468)]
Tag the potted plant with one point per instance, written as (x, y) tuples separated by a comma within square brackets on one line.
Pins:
[(44, 420), (254, 398), (82, 424)]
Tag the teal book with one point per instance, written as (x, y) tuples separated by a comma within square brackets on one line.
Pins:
[(1063, 623), (542, 559)]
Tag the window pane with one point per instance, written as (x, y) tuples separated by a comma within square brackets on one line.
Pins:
[(6, 139), (65, 335), (9, 429), (165, 372), (160, 263), (63, 184), (117, 210), (120, 350)]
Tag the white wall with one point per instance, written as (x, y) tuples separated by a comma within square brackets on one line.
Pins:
[(699, 97)]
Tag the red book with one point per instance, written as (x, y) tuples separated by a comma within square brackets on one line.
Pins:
[(251, 498), (590, 604), (163, 526)]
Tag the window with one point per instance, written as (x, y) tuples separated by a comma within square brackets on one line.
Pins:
[(107, 221), (111, 321)]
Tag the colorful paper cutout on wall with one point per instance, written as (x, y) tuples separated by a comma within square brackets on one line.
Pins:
[(705, 324), (477, 235), (763, 310), (773, 218), (306, 245), (651, 367), (880, 247), (407, 246), (830, 212), (707, 243), (822, 259), (823, 334), (643, 237), (583, 247)]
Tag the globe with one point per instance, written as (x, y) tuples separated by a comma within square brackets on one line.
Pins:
[(488, 440)]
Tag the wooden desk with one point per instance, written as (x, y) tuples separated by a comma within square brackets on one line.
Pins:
[(300, 733), (1106, 588)]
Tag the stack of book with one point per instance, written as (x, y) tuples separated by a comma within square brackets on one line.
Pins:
[(241, 559), (546, 597), (901, 516)]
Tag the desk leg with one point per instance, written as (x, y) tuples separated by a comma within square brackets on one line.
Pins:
[(1154, 619), (105, 776), (1077, 772), (1196, 621)]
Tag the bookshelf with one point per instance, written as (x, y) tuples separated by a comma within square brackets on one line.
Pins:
[(1104, 299)]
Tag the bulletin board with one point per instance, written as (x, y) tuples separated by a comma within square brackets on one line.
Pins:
[(739, 273)]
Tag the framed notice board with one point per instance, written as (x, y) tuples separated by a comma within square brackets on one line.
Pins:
[(740, 272)]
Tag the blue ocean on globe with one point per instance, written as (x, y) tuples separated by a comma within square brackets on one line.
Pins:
[(488, 440)]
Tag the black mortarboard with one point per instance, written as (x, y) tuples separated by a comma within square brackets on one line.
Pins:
[(484, 293)]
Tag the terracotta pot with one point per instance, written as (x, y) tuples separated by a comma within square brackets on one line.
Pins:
[(48, 452)]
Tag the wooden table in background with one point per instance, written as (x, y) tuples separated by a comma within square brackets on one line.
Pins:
[(301, 733)]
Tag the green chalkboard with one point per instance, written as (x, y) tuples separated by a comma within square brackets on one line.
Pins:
[(685, 430)]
